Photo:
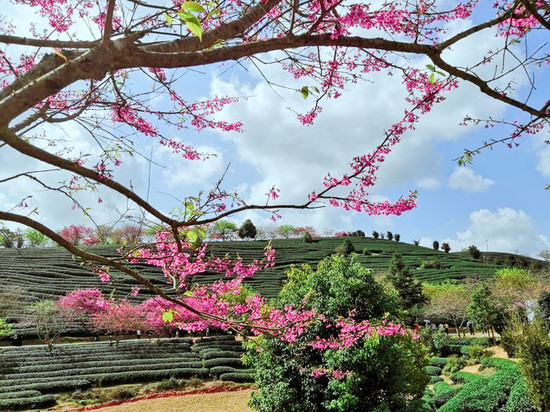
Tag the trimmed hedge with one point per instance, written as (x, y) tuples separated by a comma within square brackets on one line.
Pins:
[(484, 393), (437, 361), (433, 370), (238, 376), (34, 402), (519, 399)]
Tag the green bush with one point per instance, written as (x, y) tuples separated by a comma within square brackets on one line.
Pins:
[(433, 370), (476, 351), (443, 393), (345, 249), (385, 372), (238, 376), (42, 402), (454, 364), (437, 361), (519, 399)]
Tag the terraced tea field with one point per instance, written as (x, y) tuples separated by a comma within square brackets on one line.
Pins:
[(29, 374), (47, 273)]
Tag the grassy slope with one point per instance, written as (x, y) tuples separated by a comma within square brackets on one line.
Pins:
[(51, 272)]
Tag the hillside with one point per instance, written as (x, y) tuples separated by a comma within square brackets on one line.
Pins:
[(48, 273)]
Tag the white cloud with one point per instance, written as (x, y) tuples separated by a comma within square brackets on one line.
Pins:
[(465, 179), (503, 230)]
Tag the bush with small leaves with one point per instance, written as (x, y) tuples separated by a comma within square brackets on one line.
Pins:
[(345, 249), (475, 253)]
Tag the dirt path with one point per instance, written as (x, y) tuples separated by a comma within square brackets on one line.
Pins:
[(210, 402), (227, 401)]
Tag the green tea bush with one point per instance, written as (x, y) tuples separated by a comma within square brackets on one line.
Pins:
[(519, 399), (241, 376), (443, 393), (437, 361), (42, 402), (454, 364), (433, 370)]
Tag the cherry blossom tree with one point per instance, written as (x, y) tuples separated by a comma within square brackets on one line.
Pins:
[(83, 66)]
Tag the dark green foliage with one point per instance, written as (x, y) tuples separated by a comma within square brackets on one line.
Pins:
[(475, 253), (485, 342), (435, 245), (519, 399), (42, 402), (240, 376), (443, 393), (345, 249), (531, 343), (387, 372), (482, 310), (437, 361), (375, 234), (446, 247), (389, 235), (409, 288), (454, 364), (544, 307), (397, 237), (247, 230), (484, 393), (307, 238), (433, 370)]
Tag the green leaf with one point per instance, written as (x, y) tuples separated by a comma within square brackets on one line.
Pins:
[(192, 6), (195, 28), (305, 92), (168, 316), (169, 19), (432, 78), (192, 236), (431, 67)]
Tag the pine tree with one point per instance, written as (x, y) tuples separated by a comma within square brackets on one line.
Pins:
[(408, 287)]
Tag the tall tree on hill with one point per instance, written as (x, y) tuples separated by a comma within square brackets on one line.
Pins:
[(409, 288), (247, 230)]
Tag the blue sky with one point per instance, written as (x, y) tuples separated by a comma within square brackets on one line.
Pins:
[(498, 202)]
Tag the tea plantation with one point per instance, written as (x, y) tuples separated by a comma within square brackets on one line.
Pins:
[(29, 375)]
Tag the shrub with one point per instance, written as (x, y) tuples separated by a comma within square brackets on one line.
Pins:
[(430, 264), (433, 370), (441, 343), (519, 399), (454, 364), (247, 230), (532, 344), (475, 253), (389, 235), (375, 234), (307, 238), (397, 237), (386, 372), (435, 245), (436, 361), (476, 351), (446, 247), (238, 376), (345, 249)]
